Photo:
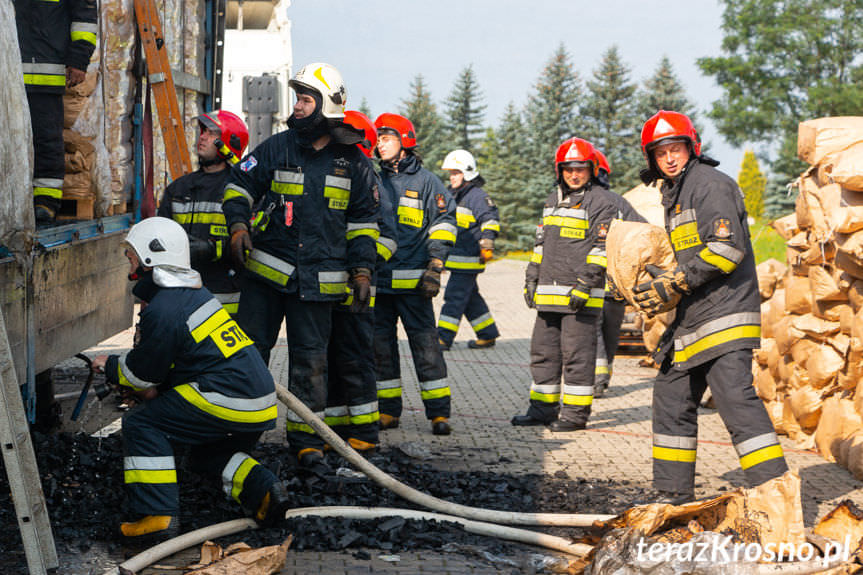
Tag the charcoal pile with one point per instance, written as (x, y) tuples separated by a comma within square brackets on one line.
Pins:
[(82, 479)]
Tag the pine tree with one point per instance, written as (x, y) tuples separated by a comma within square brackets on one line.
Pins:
[(752, 182), (611, 123), (550, 118), (779, 198), (464, 111), (366, 109), (421, 110), (504, 165)]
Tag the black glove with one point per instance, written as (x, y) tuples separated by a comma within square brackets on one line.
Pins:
[(578, 295), (663, 292), (241, 243), (201, 251), (430, 280), (613, 291), (529, 294), (361, 289)]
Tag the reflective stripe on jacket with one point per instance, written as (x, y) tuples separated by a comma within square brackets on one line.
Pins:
[(570, 246), (707, 223), (424, 213), (195, 202), (190, 344), (53, 34), (323, 214), (476, 218)]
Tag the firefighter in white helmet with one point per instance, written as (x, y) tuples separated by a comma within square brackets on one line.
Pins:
[(201, 384), (313, 241), (478, 226)]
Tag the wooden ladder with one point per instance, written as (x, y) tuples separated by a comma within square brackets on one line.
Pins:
[(21, 468), (161, 81)]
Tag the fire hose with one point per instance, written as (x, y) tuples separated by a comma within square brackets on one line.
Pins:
[(473, 519)]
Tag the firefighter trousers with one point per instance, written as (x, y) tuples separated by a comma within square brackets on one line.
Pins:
[(417, 315), (607, 339), (352, 398), (462, 298), (151, 431), (49, 161), (676, 396), (562, 344), (307, 324)]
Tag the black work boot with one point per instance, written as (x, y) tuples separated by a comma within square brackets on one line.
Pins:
[(312, 461), (441, 426), (273, 505), (669, 498), (44, 215), (565, 425), (526, 421)]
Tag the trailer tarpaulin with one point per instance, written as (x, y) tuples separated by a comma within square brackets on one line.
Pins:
[(16, 149)]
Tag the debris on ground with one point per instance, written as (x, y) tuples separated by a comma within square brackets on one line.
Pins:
[(240, 558)]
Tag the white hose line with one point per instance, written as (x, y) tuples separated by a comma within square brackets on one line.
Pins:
[(415, 496), (184, 541)]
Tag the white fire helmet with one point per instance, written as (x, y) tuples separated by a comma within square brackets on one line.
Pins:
[(160, 242), (327, 81), (463, 161)]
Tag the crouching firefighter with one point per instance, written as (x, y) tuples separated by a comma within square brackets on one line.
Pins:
[(424, 213), (565, 282), (718, 320), (202, 384), (352, 397), (478, 226), (195, 202)]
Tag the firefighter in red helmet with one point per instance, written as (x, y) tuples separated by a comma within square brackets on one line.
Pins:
[(195, 202), (717, 323), (424, 215), (565, 283)]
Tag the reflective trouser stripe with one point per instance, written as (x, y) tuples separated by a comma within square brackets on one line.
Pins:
[(674, 447), (545, 393), (601, 366), (336, 415), (56, 193), (448, 323), (482, 321), (240, 410), (234, 474), (142, 469), (364, 413), (577, 395), (389, 388), (434, 389), (671, 454), (758, 449), (295, 423)]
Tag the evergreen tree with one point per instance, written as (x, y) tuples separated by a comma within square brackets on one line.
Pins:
[(464, 111), (550, 118), (779, 198), (767, 92), (504, 165), (609, 111), (664, 91), (421, 110), (366, 109), (752, 183)]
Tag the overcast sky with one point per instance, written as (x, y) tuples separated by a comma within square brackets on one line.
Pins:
[(381, 45)]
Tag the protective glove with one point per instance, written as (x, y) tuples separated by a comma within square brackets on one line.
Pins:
[(241, 243), (201, 251), (486, 249), (578, 295), (430, 280), (529, 293), (361, 288), (663, 292)]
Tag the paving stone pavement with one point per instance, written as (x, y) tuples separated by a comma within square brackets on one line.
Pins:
[(490, 386)]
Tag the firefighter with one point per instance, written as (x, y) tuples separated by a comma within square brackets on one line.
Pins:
[(56, 39), (565, 282), (201, 384), (614, 307), (424, 212), (352, 399), (195, 202), (312, 242), (717, 322), (478, 226)]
